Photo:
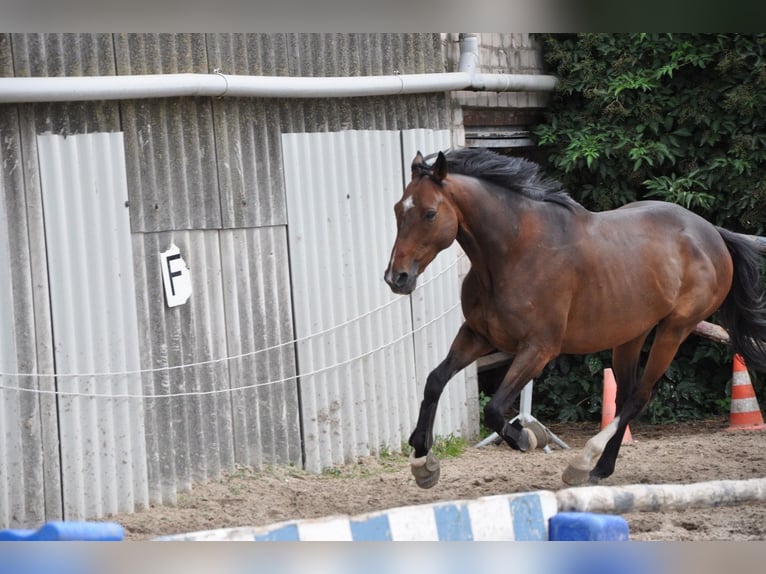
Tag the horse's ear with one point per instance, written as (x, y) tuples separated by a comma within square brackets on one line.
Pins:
[(416, 163), (440, 168)]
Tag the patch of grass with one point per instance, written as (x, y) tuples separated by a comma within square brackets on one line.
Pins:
[(387, 460), (184, 500), (450, 446), (242, 473), (332, 471)]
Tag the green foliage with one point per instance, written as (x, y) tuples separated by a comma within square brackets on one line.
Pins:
[(569, 389), (675, 117), (694, 386), (484, 430)]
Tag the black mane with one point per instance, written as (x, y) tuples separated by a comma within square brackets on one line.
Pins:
[(512, 173)]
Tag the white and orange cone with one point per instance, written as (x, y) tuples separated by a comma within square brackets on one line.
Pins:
[(609, 404), (745, 412)]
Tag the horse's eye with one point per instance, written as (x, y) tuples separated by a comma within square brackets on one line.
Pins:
[(430, 215)]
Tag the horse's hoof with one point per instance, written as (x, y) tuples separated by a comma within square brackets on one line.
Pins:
[(540, 432), (425, 469), (574, 476), (518, 437), (531, 439)]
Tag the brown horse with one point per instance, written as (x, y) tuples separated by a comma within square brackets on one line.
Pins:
[(549, 277)]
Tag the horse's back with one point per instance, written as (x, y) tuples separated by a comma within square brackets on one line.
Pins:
[(642, 263), (663, 226), (661, 211)]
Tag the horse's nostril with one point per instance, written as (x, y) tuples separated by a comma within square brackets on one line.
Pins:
[(401, 279)]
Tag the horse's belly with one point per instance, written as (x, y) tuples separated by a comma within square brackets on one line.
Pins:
[(599, 338), (598, 325)]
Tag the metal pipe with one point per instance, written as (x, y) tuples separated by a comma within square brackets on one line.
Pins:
[(469, 54), (89, 88), (217, 84), (329, 87), (469, 64), (84, 88)]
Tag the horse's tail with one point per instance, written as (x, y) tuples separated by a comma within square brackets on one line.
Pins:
[(743, 313)]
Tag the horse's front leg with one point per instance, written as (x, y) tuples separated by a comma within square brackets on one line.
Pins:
[(466, 348), (526, 365)]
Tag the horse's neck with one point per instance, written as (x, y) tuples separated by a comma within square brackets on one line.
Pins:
[(488, 226)]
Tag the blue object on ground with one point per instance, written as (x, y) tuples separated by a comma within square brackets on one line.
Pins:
[(585, 526), (67, 530)]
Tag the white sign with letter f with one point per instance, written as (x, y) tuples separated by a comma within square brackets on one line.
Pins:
[(175, 276)]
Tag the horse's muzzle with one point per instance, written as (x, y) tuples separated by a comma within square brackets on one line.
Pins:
[(401, 282)]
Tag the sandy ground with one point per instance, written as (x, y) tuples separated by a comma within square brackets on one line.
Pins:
[(659, 455)]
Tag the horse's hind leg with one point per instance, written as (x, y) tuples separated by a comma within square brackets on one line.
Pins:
[(625, 360), (670, 334), (466, 348), (604, 446)]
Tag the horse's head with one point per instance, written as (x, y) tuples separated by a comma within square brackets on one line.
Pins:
[(427, 222)]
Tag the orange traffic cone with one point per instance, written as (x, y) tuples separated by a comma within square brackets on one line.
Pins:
[(609, 404), (745, 412)]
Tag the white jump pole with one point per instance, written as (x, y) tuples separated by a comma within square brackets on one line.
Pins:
[(658, 497)]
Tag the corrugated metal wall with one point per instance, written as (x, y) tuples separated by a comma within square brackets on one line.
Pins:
[(364, 353), (30, 478), (335, 207), (183, 350), (21, 469), (95, 328), (259, 333), (216, 377)]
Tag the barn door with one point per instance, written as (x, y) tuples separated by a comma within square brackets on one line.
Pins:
[(363, 352)]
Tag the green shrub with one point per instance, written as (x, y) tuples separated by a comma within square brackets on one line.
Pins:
[(678, 117)]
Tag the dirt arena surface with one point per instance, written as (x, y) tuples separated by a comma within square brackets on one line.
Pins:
[(665, 454)]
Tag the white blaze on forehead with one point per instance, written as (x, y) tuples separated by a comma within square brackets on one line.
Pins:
[(408, 204)]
